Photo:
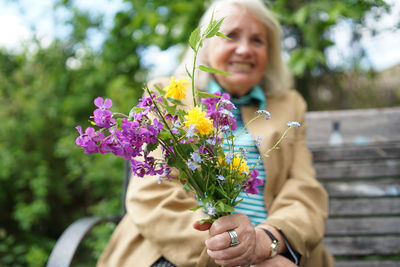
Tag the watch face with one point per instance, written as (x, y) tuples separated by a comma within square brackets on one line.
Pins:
[(274, 248)]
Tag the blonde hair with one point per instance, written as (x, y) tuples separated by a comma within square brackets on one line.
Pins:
[(276, 79)]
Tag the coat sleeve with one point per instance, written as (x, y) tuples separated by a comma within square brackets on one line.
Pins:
[(300, 208), (162, 214)]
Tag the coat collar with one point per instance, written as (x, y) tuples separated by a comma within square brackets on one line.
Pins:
[(256, 95)]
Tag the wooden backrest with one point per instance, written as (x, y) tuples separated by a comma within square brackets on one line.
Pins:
[(363, 182)]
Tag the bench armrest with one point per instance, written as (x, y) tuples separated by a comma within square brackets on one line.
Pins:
[(66, 246)]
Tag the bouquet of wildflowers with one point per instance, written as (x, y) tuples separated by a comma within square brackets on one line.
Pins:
[(191, 139)]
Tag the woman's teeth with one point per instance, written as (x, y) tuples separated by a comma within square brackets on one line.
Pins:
[(242, 65)]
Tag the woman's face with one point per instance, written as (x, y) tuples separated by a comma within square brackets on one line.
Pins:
[(244, 56)]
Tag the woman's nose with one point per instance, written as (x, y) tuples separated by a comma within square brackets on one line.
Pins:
[(243, 47)]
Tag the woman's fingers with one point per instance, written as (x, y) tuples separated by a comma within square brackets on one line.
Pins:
[(218, 245), (219, 242), (230, 222), (202, 227)]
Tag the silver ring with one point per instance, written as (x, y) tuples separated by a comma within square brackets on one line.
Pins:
[(234, 238)]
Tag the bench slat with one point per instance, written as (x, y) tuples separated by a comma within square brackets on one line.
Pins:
[(353, 153), (378, 188), (364, 207), (346, 246), (363, 226), (374, 124), (359, 263), (358, 169)]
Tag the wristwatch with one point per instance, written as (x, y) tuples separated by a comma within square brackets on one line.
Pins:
[(275, 243)]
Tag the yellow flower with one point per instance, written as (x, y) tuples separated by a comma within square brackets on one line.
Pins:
[(177, 88), (240, 164), (196, 116)]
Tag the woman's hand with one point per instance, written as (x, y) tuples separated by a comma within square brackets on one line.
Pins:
[(252, 247)]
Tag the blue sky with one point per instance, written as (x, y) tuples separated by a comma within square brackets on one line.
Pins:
[(18, 23)]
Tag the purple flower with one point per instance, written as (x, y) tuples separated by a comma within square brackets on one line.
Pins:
[(221, 178), (102, 116), (171, 117), (264, 113), (293, 124), (210, 209), (218, 109), (228, 103), (258, 141), (252, 183), (146, 102), (196, 157), (192, 165), (229, 157), (101, 104), (190, 131), (89, 139), (227, 113), (225, 128), (211, 141)]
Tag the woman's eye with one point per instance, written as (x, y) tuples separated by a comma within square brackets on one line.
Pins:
[(231, 35), (258, 41)]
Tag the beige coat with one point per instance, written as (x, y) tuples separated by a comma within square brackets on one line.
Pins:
[(159, 222)]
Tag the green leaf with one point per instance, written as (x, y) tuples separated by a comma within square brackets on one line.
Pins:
[(213, 27), (175, 101), (187, 72), (206, 95), (180, 112), (212, 70), (151, 147), (194, 39), (164, 135), (160, 90), (220, 190), (171, 110), (237, 202), (224, 207), (187, 187), (301, 15), (195, 208), (131, 114), (220, 34), (206, 220)]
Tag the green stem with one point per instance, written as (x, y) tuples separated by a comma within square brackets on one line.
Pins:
[(192, 180), (121, 115), (193, 74), (245, 127), (277, 143)]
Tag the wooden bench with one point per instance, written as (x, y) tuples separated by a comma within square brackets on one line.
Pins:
[(363, 182)]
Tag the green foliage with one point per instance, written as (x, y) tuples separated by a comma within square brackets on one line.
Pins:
[(46, 181), (309, 22)]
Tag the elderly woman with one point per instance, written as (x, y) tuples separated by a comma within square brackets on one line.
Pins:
[(283, 225)]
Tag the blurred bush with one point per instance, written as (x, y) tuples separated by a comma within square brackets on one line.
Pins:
[(45, 180)]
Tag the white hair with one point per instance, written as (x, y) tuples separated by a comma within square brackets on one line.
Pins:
[(276, 79)]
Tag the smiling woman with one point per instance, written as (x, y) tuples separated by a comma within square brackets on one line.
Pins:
[(282, 224), (244, 55)]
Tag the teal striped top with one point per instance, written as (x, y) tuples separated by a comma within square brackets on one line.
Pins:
[(252, 205)]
